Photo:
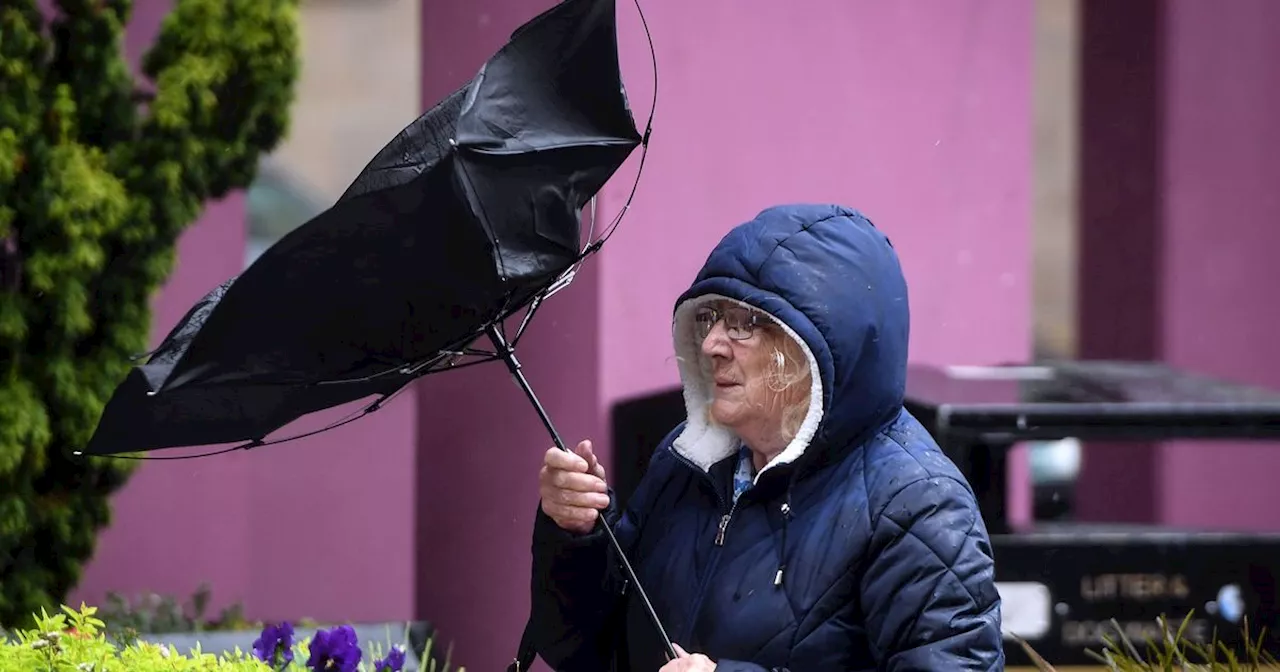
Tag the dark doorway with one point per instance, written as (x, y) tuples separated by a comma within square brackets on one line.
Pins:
[(638, 425)]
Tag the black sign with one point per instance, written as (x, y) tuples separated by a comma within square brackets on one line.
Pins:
[(1061, 590)]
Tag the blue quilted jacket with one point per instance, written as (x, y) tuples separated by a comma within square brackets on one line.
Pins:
[(859, 547)]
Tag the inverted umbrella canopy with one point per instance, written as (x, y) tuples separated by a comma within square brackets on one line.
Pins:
[(470, 215), (466, 217)]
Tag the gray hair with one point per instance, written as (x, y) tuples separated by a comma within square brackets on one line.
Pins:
[(788, 378)]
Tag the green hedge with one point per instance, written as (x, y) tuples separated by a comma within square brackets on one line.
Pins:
[(97, 180)]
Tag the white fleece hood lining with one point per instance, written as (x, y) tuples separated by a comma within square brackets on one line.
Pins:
[(703, 442)]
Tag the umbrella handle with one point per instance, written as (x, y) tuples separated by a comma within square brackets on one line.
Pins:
[(507, 354)]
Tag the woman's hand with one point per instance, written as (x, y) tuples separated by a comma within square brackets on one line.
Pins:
[(573, 488), (689, 662)]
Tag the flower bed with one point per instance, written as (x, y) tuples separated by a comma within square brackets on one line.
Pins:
[(76, 640)]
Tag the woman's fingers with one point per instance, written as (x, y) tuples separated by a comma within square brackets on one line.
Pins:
[(572, 487), (569, 480)]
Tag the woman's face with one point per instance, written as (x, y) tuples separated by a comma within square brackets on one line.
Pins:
[(739, 346)]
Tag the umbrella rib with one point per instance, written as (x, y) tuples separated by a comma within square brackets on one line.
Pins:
[(479, 204), (644, 142), (220, 451), (591, 230), (528, 315), (452, 366), (355, 415), (413, 368), (530, 149)]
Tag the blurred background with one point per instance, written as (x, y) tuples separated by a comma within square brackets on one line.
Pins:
[(1064, 179)]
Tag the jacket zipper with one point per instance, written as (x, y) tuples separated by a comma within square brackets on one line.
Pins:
[(724, 524), (725, 518)]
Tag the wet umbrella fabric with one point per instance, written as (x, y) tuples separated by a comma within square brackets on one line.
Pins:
[(463, 219)]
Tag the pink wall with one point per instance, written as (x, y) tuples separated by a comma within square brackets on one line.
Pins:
[(918, 115), (915, 114), (1221, 210), (321, 527), (178, 523)]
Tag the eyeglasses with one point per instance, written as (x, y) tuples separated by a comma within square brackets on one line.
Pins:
[(739, 323)]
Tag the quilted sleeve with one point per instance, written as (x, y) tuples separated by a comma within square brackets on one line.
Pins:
[(928, 592), (576, 583), (573, 599)]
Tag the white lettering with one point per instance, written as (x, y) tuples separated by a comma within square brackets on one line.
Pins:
[(1090, 633), (1140, 587)]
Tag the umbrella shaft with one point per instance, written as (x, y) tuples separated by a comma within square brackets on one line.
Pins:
[(508, 355)]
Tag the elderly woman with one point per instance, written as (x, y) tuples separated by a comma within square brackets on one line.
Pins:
[(800, 518)]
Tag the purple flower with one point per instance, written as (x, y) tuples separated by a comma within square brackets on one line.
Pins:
[(275, 644), (335, 650), (394, 661)]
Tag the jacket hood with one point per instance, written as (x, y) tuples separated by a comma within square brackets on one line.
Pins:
[(834, 283)]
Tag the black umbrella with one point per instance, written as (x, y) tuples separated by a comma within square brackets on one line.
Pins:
[(466, 218)]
